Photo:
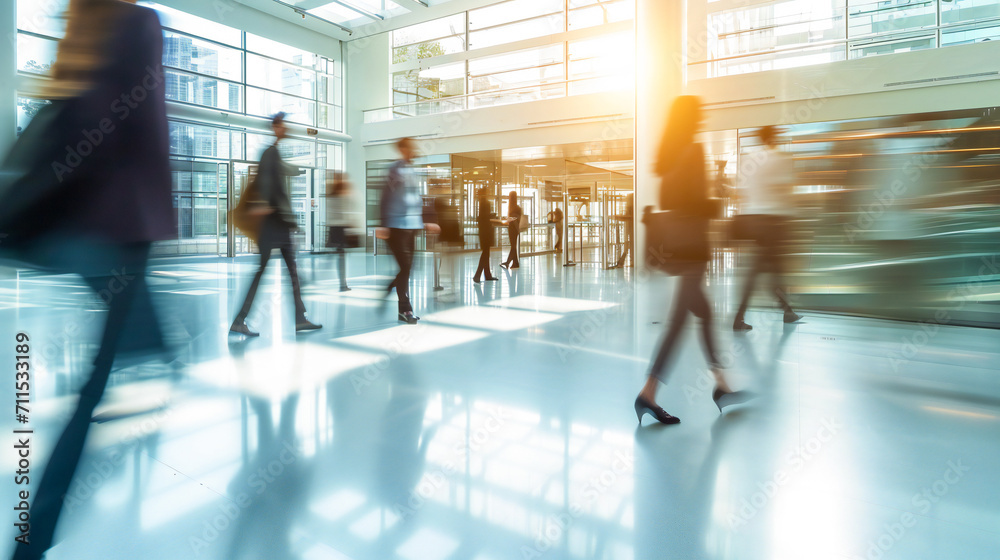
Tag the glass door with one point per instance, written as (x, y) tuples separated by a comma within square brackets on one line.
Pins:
[(240, 173)]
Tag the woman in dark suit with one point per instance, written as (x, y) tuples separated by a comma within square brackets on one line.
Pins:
[(484, 216), (684, 191), (513, 230), (103, 205)]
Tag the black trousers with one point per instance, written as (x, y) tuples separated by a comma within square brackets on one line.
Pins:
[(275, 236), (628, 243), (484, 265), (770, 234), (129, 261), (337, 240), (401, 244), (690, 299), (514, 234)]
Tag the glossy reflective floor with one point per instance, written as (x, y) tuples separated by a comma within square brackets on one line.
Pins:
[(501, 427)]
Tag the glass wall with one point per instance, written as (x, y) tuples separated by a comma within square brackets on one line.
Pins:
[(212, 65), (510, 52), (725, 40), (890, 217)]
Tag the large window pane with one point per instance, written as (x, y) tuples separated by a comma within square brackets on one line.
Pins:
[(432, 83), (975, 33), (330, 116), (34, 54), (278, 76), (893, 44), (435, 29), (515, 10), (606, 62), (44, 17), (518, 78), (200, 90), (869, 17), (538, 27), (281, 51), (427, 49), (27, 108), (330, 89), (204, 57), (516, 60), (266, 103), (963, 11), (600, 13), (199, 141), (200, 27)]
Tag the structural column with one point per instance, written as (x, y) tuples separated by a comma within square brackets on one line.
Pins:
[(8, 75), (659, 78)]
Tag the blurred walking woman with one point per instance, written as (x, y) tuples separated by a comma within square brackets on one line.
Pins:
[(684, 191), (513, 231), (338, 220), (97, 211)]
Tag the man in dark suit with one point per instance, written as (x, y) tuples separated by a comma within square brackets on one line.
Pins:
[(484, 222), (275, 230)]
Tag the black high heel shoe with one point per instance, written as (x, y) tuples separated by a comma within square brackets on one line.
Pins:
[(729, 398), (642, 406)]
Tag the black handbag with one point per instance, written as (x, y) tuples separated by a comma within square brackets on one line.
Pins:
[(33, 173), (675, 241)]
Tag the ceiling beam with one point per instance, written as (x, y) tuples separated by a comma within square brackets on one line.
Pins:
[(306, 14)]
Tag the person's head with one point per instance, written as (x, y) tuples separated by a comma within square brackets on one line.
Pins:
[(683, 123), (407, 148), (768, 135), (83, 50), (278, 125), (512, 199)]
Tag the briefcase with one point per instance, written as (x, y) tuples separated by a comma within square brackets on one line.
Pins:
[(674, 241)]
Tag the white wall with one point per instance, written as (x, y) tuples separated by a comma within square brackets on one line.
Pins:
[(368, 87)]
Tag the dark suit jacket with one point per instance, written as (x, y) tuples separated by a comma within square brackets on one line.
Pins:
[(123, 191), (486, 228), (272, 188)]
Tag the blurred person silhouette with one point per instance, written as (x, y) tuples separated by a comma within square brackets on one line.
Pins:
[(450, 241), (340, 221), (684, 190), (95, 209), (629, 221), (513, 222), (275, 229), (402, 219), (484, 224), (767, 193), (556, 217)]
